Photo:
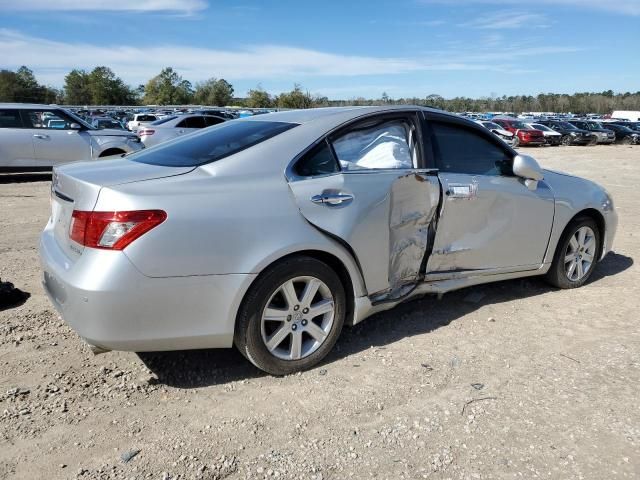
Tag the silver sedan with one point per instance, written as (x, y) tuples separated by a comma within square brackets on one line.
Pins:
[(174, 126), (272, 232)]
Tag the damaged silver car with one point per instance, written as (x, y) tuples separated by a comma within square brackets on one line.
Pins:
[(272, 232)]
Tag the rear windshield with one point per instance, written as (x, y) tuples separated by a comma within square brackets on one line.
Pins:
[(164, 120), (211, 144), (146, 118)]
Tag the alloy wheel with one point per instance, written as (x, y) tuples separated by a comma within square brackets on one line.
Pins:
[(580, 254), (297, 318)]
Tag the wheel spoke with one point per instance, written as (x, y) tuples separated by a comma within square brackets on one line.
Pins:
[(275, 315), (296, 345), (587, 257), (582, 233), (574, 244), (310, 291), (320, 308), (591, 244), (572, 268), (569, 258), (316, 332), (277, 338), (290, 294), (579, 269)]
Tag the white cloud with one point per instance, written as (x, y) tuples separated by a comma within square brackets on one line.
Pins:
[(51, 60), (507, 20), (178, 6), (627, 7)]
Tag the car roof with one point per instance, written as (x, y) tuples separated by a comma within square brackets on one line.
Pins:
[(28, 105), (338, 114)]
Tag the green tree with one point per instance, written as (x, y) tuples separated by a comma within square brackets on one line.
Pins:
[(259, 98), (168, 88), (76, 88), (214, 91), (296, 98)]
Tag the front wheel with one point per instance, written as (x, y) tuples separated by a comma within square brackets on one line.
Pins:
[(576, 254), (566, 140), (292, 316)]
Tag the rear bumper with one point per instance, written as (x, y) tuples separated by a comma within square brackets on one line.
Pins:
[(104, 298)]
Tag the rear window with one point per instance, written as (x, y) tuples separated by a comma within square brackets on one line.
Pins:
[(146, 118), (164, 120), (211, 144)]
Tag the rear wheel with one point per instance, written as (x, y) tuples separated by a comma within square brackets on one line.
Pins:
[(576, 254), (626, 141), (292, 316)]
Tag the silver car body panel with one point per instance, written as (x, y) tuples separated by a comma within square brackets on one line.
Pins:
[(168, 130), (181, 284)]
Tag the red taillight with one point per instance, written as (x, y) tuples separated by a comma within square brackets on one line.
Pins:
[(112, 230), (147, 131)]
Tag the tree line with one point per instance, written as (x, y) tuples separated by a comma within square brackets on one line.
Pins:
[(101, 86)]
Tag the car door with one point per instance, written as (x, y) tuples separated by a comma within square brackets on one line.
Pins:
[(489, 221), (365, 186), (54, 141), (16, 142)]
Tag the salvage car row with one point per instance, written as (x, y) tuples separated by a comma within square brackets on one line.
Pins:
[(573, 131)]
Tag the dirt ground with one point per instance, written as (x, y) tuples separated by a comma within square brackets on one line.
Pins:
[(504, 381)]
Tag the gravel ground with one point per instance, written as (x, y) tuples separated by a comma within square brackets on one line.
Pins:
[(508, 380)]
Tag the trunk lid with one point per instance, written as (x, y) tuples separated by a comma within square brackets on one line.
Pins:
[(77, 186)]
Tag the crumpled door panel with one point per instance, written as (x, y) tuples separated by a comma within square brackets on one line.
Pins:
[(385, 224)]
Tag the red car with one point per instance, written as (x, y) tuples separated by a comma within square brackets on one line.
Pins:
[(524, 134)]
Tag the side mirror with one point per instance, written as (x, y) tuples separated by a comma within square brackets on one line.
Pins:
[(75, 126), (528, 169)]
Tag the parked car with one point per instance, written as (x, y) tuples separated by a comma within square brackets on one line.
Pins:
[(571, 135), (174, 126), (272, 232), (624, 135), (635, 126), (106, 122), (602, 134), (503, 134), (140, 120), (523, 134), (37, 137), (552, 137)]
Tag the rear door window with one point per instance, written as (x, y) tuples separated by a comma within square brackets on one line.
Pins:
[(318, 161), (10, 118), (47, 119), (194, 122), (210, 121), (211, 144)]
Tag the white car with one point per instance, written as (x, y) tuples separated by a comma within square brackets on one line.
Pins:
[(140, 120), (498, 130), (551, 137), (175, 126)]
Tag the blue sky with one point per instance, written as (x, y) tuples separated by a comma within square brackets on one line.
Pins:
[(341, 49)]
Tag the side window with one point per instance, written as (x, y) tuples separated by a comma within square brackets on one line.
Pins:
[(318, 161), (182, 124), (195, 122), (210, 121), (47, 119), (463, 150), (10, 119), (389, 144)]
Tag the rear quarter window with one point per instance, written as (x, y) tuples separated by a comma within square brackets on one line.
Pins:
[(211, 144)]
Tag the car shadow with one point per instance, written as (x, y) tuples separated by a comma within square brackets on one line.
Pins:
[(6, 178), (10, 296), (200, 368)]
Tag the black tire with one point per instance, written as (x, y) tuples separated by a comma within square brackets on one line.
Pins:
[(626, 141), (566, 140), (557, 275), (248, 333), (593, 142)]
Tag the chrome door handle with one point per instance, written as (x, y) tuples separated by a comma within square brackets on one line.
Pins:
[(40, 135), (332, 198)]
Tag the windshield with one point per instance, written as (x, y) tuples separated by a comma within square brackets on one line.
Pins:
[(521, 126), (566, 125), (79, 120), (211, 144), (541, 127), (492, 126)]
